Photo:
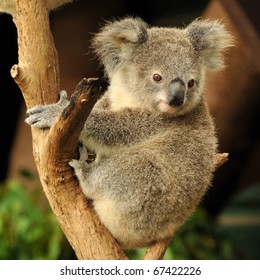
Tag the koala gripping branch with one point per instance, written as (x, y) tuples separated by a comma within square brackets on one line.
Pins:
[(84, 231)]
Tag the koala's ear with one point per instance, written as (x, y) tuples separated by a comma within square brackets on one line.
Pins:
[(115, 43), (210, 39)]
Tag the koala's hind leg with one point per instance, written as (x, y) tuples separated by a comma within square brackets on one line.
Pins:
[(80, 165), (83, 169)]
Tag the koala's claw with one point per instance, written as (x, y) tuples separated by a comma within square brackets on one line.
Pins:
[(35, 109), (74, 163), (31, 120), (83, 155), (63, 97), (39, 117)]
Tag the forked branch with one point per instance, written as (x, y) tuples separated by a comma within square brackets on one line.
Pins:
[(37, 75)]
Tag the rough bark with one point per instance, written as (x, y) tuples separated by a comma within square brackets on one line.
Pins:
[(37, 75)]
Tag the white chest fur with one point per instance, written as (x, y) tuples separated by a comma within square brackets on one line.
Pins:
[(119, 94)]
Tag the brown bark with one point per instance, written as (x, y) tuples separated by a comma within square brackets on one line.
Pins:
[(37, 75), (157, 250)]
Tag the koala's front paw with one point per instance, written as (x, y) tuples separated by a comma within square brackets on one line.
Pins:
[(43, 116), (40, 116)]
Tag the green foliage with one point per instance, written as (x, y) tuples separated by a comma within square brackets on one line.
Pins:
[(28, 231), (197, 239), (240, 220)]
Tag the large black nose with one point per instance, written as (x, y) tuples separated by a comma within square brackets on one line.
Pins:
[(177, 93)]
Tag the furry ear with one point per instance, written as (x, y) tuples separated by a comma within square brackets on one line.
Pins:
[(210, 39), (115, 43)]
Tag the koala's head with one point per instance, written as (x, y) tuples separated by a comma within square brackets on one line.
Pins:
[(160, 68)]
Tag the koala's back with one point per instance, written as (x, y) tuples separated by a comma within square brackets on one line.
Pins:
[(143, 193)]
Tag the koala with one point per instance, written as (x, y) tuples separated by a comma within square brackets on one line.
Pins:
[(9, 6), (151, 131)]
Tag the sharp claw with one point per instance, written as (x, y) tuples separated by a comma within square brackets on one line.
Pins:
[(28, 121), (63, 96), (34, 110), (31, 121), (73, 163), (34, 122)]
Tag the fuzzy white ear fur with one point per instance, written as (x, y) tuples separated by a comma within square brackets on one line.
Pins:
[(112, 43), (210, 39)]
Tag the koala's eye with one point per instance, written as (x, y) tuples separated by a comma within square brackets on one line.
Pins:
[(157, 77), (191, 83)]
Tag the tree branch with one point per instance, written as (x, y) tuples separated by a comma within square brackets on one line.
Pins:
[(38, 69), (70, 122), (88, 237), (157, 250), (37, 75)]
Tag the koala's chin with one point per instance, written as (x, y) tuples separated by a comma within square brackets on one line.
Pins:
[(164, 107)]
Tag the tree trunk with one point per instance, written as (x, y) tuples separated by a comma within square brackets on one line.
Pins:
[(37, 75)]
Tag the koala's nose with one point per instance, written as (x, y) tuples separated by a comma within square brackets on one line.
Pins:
[(177, 93)]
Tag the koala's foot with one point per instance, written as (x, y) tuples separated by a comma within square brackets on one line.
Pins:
[(83, 157), (43, 116)]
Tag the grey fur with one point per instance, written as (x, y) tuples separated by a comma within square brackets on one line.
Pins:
[(154, 160)]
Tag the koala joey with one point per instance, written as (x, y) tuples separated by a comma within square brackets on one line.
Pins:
[(151, 131)]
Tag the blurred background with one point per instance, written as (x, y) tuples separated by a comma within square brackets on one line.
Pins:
[(226, 224)]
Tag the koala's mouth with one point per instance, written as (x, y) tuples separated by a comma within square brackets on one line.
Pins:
[(165, 107)]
